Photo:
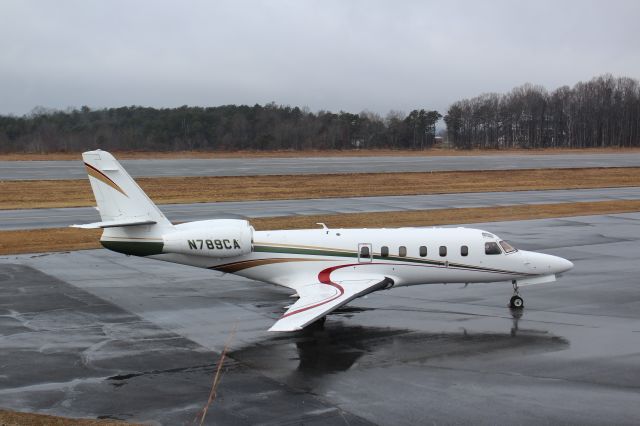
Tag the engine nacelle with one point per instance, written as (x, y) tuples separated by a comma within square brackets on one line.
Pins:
[(213, 238)]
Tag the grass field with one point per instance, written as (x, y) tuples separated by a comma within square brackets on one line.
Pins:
[(66, 239), (310, 153), (14, 418), (77, 193)]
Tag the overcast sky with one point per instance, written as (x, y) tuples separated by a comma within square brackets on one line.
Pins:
[(335, 55)]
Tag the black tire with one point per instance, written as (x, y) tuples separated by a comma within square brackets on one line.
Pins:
[(318, 324), (516, 302)]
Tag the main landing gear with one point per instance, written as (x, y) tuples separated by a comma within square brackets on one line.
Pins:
[(516, 301), (318, 324)]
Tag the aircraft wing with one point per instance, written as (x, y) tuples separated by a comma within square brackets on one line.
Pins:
[(317, 300)]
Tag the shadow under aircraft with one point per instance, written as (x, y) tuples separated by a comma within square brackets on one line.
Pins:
[(302, 359)]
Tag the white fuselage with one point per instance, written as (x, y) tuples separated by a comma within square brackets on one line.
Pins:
[(412, 256)]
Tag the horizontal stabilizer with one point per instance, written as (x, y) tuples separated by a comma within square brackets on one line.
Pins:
[(115, 223)]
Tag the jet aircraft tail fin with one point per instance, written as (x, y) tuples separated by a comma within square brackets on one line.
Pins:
[(121, 202)]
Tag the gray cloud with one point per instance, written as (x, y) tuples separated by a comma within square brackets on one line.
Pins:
[(350, 55)]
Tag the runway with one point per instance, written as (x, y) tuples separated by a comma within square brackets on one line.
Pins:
[(97, 334), (29, 170), (54, 218)]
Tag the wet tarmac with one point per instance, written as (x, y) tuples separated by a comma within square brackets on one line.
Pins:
[(62, 217), (26, 170), (97, 334)]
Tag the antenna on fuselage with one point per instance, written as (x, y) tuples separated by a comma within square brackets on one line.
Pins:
[(324, 227)]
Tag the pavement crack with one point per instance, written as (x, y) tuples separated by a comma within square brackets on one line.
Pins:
[(127, 376)]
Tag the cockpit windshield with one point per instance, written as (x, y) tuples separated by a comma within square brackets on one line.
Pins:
[(508, 248)]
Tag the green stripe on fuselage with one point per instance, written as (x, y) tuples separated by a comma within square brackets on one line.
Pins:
[(305, 251), (337, 253), (134, 248), (354, 254)]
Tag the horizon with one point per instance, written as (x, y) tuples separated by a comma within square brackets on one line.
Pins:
[(44, 110)]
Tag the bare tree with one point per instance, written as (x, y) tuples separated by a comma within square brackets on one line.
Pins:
[(602, 112)]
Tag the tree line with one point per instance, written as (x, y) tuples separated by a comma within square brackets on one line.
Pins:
[(228, 127), (603, 112), (599, 113)]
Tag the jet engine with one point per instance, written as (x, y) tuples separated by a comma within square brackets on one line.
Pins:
[(217, 238)]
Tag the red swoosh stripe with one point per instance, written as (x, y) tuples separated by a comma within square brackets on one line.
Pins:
[(325, 278)]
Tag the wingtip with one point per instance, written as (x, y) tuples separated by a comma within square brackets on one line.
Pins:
[(85, 226), (280, 328)]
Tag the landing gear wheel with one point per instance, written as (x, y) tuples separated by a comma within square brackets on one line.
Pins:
[(318, 324), (516, 302), (321, 321)]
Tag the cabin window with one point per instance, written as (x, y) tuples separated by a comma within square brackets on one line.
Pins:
[(384, 251), (443, 251), (464, 251), (402, 251), (492, 248), (423, 251), (508, 248), (364, 252)]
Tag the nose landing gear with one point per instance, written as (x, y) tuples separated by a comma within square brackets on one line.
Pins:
[(516, 302)]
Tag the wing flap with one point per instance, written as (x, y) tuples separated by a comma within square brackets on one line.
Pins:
[(317, 300)]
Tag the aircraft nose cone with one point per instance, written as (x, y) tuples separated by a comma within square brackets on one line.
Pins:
[(560, 265), (543, 264)]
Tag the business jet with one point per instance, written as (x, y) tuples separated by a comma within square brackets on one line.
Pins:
[(326, 268)]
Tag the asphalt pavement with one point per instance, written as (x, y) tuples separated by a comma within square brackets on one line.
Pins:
[(101, 335), (29, 170), (54, 218)]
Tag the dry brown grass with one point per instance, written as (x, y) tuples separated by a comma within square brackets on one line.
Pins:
[(128, 155), (46, 240), (14, 418), (64, 239), (76, 193)]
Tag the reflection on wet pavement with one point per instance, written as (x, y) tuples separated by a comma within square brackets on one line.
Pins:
[(315, 353)]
